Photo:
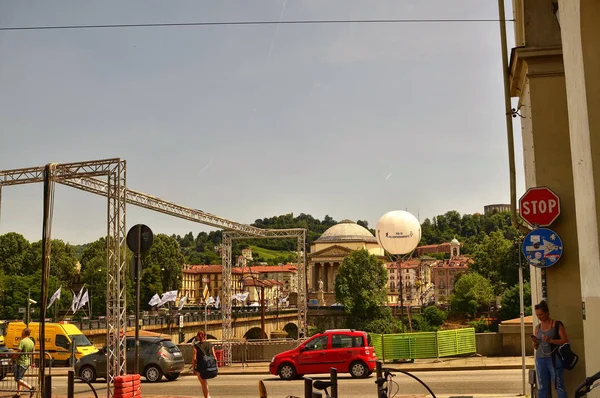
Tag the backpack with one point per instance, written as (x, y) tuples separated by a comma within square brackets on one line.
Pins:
[(568, 357), (206, 364)]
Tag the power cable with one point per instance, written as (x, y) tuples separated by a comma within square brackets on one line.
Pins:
[(241, 23)]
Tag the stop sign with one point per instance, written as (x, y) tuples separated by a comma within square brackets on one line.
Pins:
[(539, 206)]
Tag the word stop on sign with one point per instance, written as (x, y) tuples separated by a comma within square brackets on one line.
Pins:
[(539, 206)]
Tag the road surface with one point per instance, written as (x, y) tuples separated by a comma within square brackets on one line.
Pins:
[(442, 383)]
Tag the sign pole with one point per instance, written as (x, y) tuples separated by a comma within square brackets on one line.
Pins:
[(205, 316), (139, 240), (138, 266), (522, 315)]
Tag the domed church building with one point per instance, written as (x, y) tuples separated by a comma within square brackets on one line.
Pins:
[(328, 252)]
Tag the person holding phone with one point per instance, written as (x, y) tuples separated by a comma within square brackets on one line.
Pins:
[(545, 341)]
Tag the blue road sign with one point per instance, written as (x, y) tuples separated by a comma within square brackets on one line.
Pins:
[(542, 247)]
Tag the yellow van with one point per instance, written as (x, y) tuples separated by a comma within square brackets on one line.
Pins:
[(61, 339)]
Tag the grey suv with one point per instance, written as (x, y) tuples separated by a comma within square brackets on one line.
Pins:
[(158, 357)]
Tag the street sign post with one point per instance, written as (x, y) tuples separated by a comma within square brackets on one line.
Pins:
[(139, 240), (539, 206), (542, 247)]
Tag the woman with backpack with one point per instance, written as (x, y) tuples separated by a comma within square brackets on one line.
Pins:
[(204, 362), (548, 336)]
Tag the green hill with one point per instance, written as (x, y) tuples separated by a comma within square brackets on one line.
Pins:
[(268, 254)]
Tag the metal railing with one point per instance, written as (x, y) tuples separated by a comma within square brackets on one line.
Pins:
[(420, 345), (198, 316), (245, 352), (30, 375)]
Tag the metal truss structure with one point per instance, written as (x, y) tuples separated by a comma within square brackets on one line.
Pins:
[(227, 241), (84, 176), (115, 171)]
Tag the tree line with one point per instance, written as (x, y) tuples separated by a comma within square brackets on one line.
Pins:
[(488, 239)]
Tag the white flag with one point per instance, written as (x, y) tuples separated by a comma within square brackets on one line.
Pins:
[(75, 305), (241, 296), (218, 302), (210, 301), (54, 297), (83, 301), (74, 302), (168, 296), (182, 302), (154, 300)]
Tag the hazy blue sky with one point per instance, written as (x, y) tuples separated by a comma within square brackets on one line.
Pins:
[(247, 122)]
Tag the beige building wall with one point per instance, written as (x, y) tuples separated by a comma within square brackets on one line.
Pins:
[(580, 31), (556, 76)]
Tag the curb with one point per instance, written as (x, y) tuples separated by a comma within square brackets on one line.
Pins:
[(461, 368), (230, 372)]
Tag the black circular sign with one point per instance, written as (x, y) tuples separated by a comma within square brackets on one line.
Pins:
[(140, 238)]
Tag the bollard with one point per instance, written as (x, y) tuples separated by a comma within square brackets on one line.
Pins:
[(307, 387), (334, 389), (379, 372), (47, 393), (71, 384)]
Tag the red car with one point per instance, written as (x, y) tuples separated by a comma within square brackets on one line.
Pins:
[(346, 350)]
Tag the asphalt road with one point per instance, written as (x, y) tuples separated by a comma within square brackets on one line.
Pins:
[(443, 383)]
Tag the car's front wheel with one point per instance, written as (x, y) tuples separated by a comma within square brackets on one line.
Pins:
[(358, 369), (153, 373), (287, 371), (88, 374), (172, 376)]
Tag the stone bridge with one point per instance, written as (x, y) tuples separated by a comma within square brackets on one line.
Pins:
[(247, 326)]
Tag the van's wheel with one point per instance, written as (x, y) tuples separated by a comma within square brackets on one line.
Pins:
[(87, 374), (153, 373), (358, 370), (287, 371)]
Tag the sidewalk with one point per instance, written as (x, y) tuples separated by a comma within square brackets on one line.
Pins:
[(420, 365)]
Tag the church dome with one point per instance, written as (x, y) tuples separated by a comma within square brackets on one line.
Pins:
[(347, 231), (455, 242)]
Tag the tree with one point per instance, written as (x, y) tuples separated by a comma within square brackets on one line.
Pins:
[(434, 316), (63, 261), (13, 249), (495, 259), (511, 302), (360, 286), (94, 276), (92, 250), (471, 291), (163, 265)]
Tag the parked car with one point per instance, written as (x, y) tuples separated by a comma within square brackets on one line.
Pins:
[(346, 350), (158, 356)]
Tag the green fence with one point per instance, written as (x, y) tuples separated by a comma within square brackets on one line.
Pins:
[(445, 343)]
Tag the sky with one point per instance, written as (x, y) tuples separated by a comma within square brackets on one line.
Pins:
[(246, 122)]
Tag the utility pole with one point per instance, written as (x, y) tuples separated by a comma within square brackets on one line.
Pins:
[(508, 117)]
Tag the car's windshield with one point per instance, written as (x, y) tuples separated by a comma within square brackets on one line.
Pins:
[(80, 340)]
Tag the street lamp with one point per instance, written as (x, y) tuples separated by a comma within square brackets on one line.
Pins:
[(29, 302)]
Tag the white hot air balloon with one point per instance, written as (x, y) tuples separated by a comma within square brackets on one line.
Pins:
[(398, 232)]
